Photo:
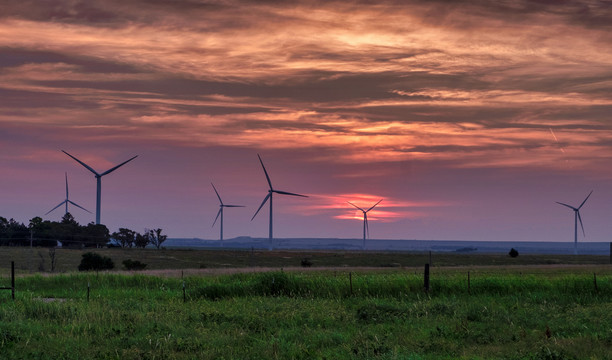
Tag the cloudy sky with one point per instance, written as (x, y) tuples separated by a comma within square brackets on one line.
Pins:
[(469, 119)]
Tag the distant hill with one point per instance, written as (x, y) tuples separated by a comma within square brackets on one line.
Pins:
[(491, 247)]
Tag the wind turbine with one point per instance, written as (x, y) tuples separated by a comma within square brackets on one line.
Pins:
[(220, 213), (366, 229), (98, 177), (271, 191), (65, 202), (576, 219)]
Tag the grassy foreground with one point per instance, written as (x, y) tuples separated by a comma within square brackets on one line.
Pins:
[(505, 314)]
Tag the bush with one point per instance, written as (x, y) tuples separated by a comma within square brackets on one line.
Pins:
[(96, 262), (513, 253), (130, 264), (306, 262)]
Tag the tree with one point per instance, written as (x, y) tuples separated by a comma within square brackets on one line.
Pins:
[(155, 237), (513, 253), (125, 237), (141, 240), (95, 235)]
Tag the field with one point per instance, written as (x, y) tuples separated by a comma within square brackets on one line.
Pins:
[(509, 310)]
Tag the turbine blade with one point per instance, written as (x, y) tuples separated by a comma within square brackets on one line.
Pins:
[(82, 163), (79, 206), (356, 206), (265, 172), (214, 188), (234, 206), (60, 204), (218, 213), (66, 175), (367, 225), (585, 200), (374, 205), (287, 193), (582, 226), (571, 207), (118, 166), (262, 204)]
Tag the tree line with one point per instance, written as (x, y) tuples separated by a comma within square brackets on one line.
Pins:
[(68, 232)]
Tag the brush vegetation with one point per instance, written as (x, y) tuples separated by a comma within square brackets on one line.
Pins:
[(506, 313)]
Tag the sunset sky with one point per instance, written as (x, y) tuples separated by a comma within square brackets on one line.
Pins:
[(469, 119)]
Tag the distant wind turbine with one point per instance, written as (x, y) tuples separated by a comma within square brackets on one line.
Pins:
[(366, 229), (220, 213), (65, 202), (271, 191), (98, 177), (576, 219)]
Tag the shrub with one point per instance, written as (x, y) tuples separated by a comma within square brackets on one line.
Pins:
[(306, 262), (96, 262), (133, 265), (513, 253)]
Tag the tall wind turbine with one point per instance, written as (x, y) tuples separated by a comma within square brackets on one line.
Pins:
[(65, 202), (271, 191), (98, 177), (220, 213), (366, 229), (576, 219)]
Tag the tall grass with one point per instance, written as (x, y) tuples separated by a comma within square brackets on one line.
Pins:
[(308, 315)]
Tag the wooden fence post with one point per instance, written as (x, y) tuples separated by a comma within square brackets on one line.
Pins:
[(426, 277), (469, 289), (595, 281), (13, 280)]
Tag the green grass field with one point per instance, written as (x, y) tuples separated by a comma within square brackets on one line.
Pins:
[(509, 310)]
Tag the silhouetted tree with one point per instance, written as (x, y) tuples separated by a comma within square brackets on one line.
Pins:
[(513, 253), (155, 237), (141, 240), (125, 237)]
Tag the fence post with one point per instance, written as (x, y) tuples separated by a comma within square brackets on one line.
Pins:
[(351, 281), (595, 281), (13, 280), (426, 277), (430, 262), (469, 288)]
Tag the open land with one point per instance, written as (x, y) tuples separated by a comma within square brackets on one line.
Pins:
[(218, 304)]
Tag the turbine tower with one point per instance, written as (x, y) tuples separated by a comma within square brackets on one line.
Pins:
[(220, 213), (576, 219), (271, 191), (366, 229), (65, 202), (98, 177)]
